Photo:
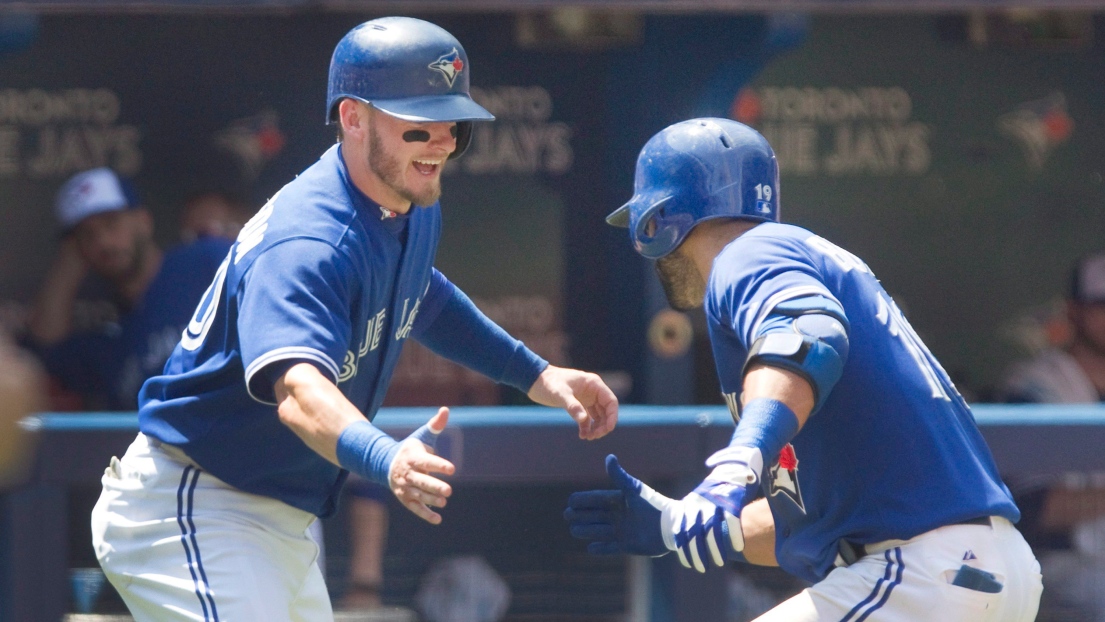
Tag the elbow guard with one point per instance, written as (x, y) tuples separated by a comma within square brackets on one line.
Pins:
[(815, 347)]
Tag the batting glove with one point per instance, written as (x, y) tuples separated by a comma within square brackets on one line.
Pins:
[(628, 520), (710, 521)]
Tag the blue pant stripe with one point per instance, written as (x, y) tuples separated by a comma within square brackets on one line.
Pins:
[(184, 537), (875, 592), (196, 547), (890, 588)]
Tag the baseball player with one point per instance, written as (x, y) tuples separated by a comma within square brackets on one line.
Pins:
[(265, 405), (876, 484)]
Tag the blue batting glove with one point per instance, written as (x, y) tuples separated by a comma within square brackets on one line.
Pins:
[(627, 520), (710, 521)]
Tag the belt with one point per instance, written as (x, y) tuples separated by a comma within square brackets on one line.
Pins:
[(849, 553)]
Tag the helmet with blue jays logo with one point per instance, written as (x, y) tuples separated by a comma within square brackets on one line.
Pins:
[(693, 171), (408, 68)]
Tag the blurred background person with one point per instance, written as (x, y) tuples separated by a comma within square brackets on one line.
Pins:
[(21, 393), (1074, 373), (108, 248), (1066, 518), (106, 233), (212, 213)]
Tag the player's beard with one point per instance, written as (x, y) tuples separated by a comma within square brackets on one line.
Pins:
[(683, 285), (122, 265), (390, 170)]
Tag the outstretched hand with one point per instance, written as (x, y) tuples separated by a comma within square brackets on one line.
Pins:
[(409, 476), (584, 395), (637, 520), (627, 520)]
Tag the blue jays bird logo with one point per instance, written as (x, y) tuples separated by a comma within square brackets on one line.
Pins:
[(449, 65), (784, 477)]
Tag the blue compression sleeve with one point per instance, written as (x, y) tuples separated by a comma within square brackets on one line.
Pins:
[(439, 291), (367, 451), (767, 425), (462, 333)]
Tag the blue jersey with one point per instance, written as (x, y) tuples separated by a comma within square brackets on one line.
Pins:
[(109, 366), (893, 451), (316, 276)]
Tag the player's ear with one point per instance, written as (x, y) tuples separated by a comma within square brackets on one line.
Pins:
[(353, 116)]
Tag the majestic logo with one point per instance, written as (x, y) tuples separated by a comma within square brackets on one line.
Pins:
[(784, 477), (449, 65), (1040, 126), (969, 555)]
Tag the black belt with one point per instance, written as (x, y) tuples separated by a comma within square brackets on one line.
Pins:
[(851, 552)]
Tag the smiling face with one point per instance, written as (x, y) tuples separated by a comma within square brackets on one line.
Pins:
[(400, 161)]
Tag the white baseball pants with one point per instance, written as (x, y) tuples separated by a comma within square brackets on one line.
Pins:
[(911, 581), (179, 544)]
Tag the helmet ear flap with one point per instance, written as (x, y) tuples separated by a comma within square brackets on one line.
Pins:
[(464, 137)]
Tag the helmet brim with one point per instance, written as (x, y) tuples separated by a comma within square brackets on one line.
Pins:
[(619, 217), (434, 108)]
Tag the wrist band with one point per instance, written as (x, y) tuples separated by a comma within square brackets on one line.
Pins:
[(367, 451)]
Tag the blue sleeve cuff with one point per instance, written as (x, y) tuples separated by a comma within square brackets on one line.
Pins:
[(767, 425), (367, 451), (461, 333)]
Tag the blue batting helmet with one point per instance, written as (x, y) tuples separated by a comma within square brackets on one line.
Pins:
[(694, 171), (408, 68)]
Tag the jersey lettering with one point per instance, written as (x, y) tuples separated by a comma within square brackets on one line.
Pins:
[(201, 321), (254, 230), (889, 314), (348, 367), (847, 261), (408, 319), (372, 332)]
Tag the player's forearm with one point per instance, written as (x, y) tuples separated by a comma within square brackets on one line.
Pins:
[(314, 408), (758, 528), (763, 381)]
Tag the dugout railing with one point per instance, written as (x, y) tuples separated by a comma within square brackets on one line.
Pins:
[(516, 466)]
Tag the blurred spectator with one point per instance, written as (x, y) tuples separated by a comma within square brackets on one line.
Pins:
[(108, 234), (21, 390), (1074, 575), (212, 214), (1074, 374)]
